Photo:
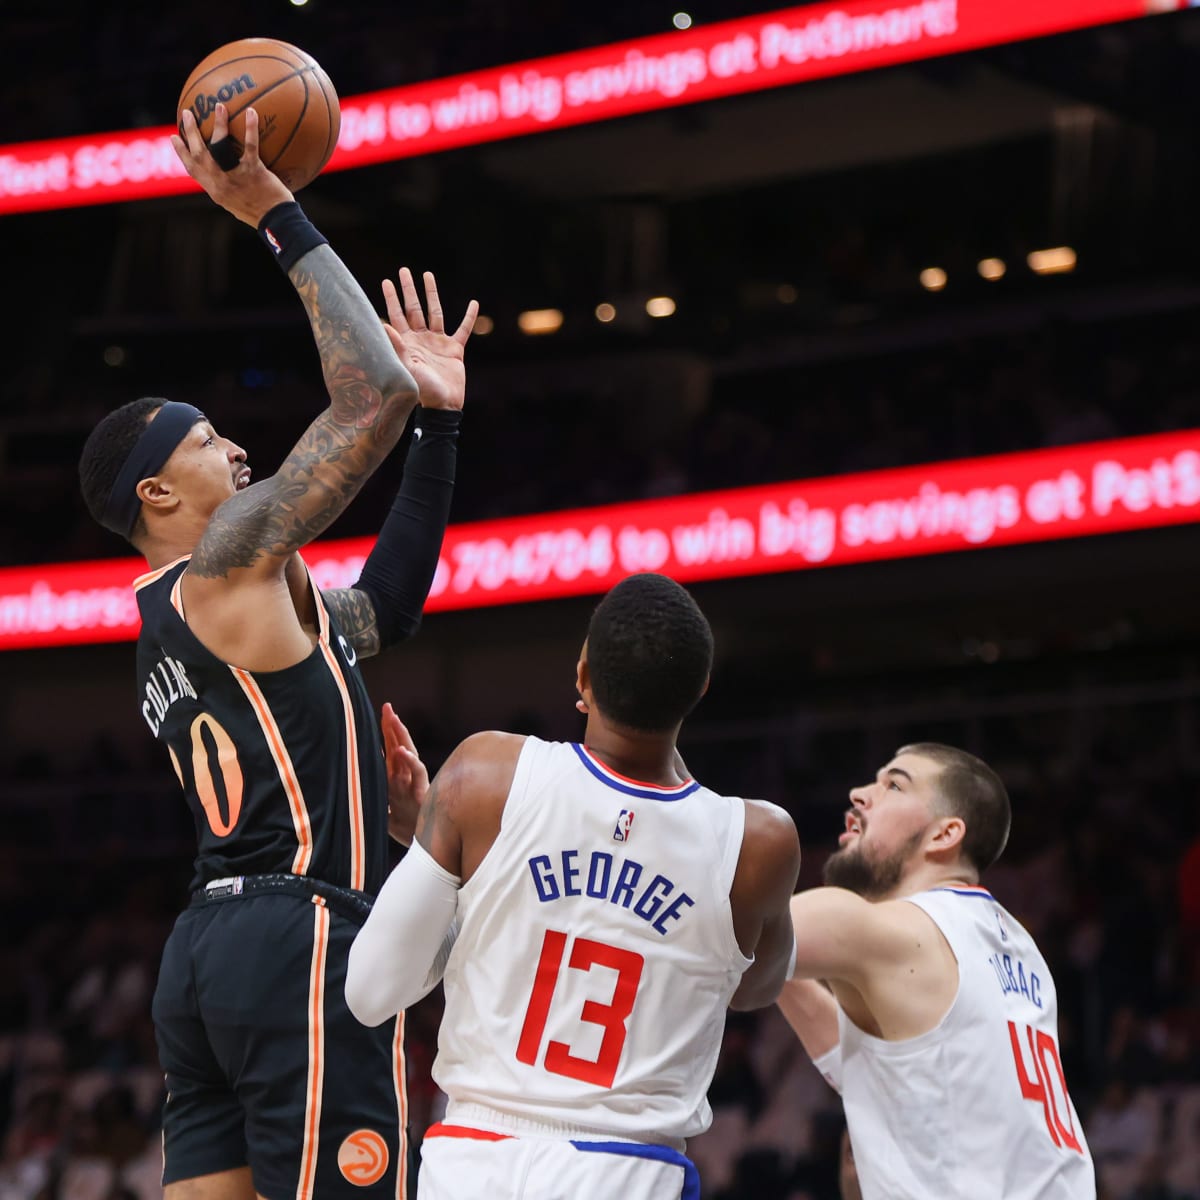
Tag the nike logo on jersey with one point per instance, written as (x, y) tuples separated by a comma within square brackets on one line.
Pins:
[(348, 650)]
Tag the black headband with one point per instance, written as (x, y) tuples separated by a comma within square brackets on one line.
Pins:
[(157, 443)]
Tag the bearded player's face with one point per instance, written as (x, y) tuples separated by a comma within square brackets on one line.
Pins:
[(886, 823)]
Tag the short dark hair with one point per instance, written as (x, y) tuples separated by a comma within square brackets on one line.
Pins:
[(649, 652), (973, 791), (107, 448)]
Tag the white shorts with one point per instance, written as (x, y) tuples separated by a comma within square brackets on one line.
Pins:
[(459, 1163)]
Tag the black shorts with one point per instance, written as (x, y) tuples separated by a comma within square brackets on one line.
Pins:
[(265, 1065)]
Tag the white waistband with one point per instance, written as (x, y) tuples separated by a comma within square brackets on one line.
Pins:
[(480, 1116)]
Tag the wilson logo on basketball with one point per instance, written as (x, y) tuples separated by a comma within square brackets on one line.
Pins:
[(204, 104), (363, 1158)]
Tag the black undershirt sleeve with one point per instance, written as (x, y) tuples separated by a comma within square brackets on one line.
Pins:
[(399, 570)]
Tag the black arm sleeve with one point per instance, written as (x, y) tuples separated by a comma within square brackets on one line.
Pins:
[(399, 570)]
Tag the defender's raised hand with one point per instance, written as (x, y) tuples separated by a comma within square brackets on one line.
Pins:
[(249, 190), (408, 779), (432, 356)]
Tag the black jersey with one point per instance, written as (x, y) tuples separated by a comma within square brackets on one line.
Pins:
[(283, 770)]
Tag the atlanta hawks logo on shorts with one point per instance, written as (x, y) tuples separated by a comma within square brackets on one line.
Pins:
[(363, 1158), (624, 825)]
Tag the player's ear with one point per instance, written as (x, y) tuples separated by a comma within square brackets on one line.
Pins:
[(948, 833), (156, 493), (583, 682)]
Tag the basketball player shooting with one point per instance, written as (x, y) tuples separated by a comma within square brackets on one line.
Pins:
[(607, 910), (939, 1025), (248, 674)]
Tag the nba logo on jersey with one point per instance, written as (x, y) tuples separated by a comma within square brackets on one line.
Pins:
[(624, 825), (1003, 927)]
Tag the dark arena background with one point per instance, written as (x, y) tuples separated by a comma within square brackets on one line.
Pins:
[(944, 236)]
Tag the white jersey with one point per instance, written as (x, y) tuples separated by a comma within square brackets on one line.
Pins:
[(596, 958), (977, 1107)]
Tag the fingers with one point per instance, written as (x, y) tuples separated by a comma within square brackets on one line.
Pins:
[(389, 727), (404, 738), (396, 338), (407, 314), (436, 323), (250, 147), (191, 133), (195, 153), (387, 718), (188, 144), (395, 310), (420, 776), (412, 303), (403, 761), (468, 323)]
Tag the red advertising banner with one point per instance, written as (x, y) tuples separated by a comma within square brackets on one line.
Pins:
[(682, 67), (1103, 487)]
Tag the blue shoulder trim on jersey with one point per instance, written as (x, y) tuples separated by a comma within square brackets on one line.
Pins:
[(691, 1177), (982, 893), (618, 783)]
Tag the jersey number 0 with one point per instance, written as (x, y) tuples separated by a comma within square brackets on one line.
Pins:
[(213, 747)]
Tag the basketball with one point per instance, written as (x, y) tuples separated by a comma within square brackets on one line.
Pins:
[(298, 112)]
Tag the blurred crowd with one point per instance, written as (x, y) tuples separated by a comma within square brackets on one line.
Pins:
[(1103, 868)]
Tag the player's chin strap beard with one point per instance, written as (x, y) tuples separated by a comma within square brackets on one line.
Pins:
[(150, 452)]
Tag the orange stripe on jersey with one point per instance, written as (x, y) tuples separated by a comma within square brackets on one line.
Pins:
[(322, 611), (143, 580), (358, 832), (316, 1053), (399, 1074), (465, 1131), (177, 597), (358, 866), (283, 764)]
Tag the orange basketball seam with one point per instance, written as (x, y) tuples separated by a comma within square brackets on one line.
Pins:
[(331, 138), (299, 121)]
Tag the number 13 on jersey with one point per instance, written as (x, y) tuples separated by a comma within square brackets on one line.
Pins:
[(611, 1017)]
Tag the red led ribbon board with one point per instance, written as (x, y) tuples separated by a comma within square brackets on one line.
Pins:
[(1103, 487), (703, 63)]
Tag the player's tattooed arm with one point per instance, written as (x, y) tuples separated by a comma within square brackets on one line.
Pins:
[(355, 613), (371, 395)]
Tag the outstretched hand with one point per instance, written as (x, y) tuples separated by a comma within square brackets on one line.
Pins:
[(433, 357), (407, 778), (249, 190)]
